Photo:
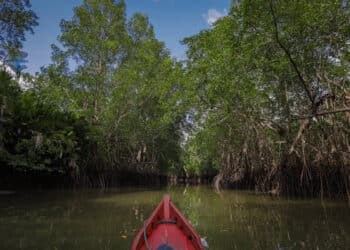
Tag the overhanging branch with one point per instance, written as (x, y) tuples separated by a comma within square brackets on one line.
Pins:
[(288, 54), (329, 112)]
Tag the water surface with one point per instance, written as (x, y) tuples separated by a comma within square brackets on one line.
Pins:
[(92, 219)]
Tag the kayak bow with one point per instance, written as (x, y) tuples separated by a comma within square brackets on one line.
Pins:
[(167, 229)]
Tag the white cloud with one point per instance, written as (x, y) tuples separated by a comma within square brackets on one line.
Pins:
[(213, 15), (22, 83)]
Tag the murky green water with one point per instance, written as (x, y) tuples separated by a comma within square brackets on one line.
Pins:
[(93, 219)]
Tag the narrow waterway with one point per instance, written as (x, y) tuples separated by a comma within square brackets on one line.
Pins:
[(92, 219)]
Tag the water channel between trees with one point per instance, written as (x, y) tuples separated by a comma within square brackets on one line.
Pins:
[(92, 219)]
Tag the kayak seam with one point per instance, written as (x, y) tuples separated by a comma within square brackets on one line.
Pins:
[(145, 235)]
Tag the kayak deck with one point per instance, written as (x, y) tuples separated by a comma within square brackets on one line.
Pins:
[(161, 240), (167, 229)]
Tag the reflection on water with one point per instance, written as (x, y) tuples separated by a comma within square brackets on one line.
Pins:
[(91, 219)]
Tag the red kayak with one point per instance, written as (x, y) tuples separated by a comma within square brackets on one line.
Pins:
[(167, 229)]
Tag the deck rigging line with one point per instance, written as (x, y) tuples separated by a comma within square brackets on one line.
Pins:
[(145, 231)]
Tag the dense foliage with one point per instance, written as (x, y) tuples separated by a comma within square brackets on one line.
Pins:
[(262, 99), (16, 18), (35, 136), (273, 96), (111, 110)]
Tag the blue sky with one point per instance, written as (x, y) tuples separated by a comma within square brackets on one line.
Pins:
[(172, 20)]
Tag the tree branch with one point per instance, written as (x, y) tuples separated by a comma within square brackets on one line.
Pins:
[(288, 54), (302, 127), (326, 113)]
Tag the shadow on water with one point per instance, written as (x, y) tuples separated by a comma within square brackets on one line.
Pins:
[(91, 219)]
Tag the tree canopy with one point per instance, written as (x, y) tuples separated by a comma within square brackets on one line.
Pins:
[(261, 101), (271, 81), (16, 18)]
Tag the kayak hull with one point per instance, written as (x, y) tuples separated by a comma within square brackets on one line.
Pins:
[(167, 229)]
